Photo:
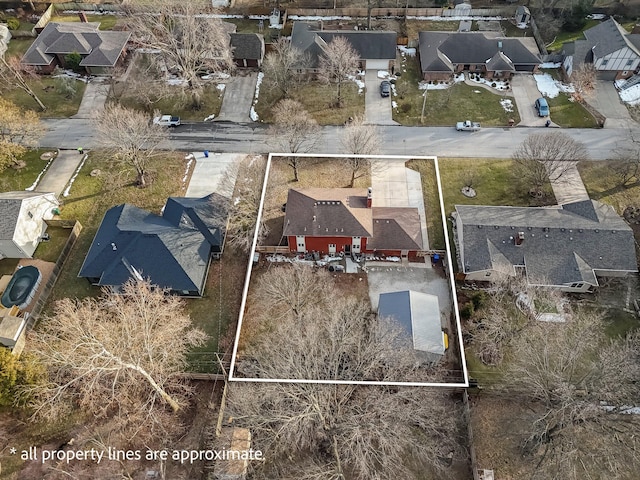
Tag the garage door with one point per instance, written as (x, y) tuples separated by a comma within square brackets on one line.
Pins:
[(377, 64)]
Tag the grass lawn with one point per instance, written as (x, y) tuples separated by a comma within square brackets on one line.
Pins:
[(416, 26), (50, 251), (14, 180), (107, 22), (566, 113), (435, 229), (618, 323), (446, 107), (46, 88), (510, 30), (18, 46), (602, 185), (564, 37), (317, 100)]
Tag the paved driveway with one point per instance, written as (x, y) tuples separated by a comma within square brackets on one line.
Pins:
[(60, 172), (238, 98), (525, 93), (94, 98), (377, 110), (607, 101), (569, 187), (209, 174)]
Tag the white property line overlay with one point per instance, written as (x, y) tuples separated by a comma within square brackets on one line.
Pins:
[(245, 290)]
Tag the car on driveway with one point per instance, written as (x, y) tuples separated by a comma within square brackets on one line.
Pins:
[(542, 107), (385, 88)]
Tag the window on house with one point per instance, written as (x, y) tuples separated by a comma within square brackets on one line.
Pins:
[(629, 63), (301, 245), (332, 245), (604, 62), (488, 274), (576, 285), (30, 214)]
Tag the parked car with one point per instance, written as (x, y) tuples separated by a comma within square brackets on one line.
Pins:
[(467, 126), (167, 121), (542, 107), (385, 88)]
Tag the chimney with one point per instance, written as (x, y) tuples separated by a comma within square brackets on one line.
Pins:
[(369, 197), (83, 17), (499, 45), (519, 239)]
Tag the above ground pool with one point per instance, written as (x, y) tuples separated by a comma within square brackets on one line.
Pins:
[(22, 287)]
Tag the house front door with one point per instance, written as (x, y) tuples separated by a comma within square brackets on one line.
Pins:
[(347, 249)]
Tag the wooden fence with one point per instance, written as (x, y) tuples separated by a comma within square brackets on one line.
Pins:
[(44, 19), (401, 12), (271, 249), (76, 228)]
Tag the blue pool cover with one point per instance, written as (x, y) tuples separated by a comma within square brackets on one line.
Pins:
[(22, 287)]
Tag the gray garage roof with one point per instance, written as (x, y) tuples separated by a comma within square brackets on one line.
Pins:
[(607, 37), (370, 45), (418, 314), (10, 205), (396, 229), (249, 46), (561, 245)]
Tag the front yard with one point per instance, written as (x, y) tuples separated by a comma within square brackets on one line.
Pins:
[(445, 107), (50, 91)]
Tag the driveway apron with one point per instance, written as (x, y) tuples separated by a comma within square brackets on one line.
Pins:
[(238, 98)]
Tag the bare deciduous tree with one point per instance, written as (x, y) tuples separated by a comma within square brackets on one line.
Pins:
[(131, 138), (359, 138), (120, 354), (338, 59), (336, 431), (578, 385), (19, 130), (245, 180), (281, 66), (547, 156), (183, 40), (14, 73), (584, 81), (294, 131)]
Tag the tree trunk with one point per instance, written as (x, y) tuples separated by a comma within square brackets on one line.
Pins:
[(35, 97), (353, 177)]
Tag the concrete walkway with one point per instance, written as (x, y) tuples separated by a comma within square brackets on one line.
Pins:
[(394, 185), (209, 174), (94, 98), (60, 172), (569, 187), (606, 100), (238, 98)]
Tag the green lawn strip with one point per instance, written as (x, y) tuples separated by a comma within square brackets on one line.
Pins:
[(601, 184), (446, 107), (435, 229), (178, 104), (317, 100), (50, 250), (46, 88), (564, 37), (567, 113), (107, 22), (618, 323), (484, 374), (16, 180), (18, 46)]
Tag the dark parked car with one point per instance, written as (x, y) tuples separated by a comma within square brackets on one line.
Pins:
[(385, 88), (542, 107)]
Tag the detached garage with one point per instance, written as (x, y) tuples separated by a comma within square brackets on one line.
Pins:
[(419, 315)]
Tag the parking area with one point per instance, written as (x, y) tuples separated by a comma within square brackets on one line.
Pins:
[(377, 109), (525, 93), (386, 277)]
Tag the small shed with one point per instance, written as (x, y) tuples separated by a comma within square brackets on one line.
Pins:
[(523, 15), (247, 49), (419, 315)]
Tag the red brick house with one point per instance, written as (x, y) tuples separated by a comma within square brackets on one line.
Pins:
[(342, 220)]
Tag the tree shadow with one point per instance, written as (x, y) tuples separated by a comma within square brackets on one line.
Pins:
[(613, 190)]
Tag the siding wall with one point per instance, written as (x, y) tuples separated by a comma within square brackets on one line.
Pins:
[(31, 227), (617, 61)]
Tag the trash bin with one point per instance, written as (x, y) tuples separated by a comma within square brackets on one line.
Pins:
[(56, 211), (206, 154)]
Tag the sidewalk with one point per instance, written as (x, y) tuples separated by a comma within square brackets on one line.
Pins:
[(569, 187)]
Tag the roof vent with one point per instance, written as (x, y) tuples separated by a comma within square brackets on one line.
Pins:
[(479, 226), (562, 229), (519, 239), (597, 231), (613, 231), (496, 227)]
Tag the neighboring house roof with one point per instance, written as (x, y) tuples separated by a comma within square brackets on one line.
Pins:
[(472, 48), (249, 46), (172, 250), (608, 37), (370, 45), (396, 229), (418, 314), (10, 205), (561, 245), (98, 48), (328, 212)]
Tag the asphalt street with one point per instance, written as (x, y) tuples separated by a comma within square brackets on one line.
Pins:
[(227, 137)]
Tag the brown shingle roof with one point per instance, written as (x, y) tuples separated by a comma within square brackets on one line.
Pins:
[(396, 229)]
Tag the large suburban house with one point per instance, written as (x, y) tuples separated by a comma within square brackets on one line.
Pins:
[(100, 50), (376, 49), (567, 246), (614, 52), (344, 220), (172, 250), (444, 54), (23, 218), (418, 314)]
